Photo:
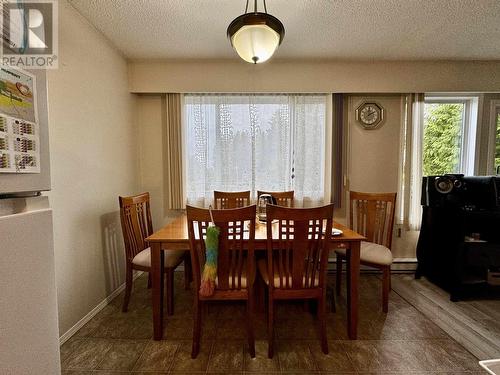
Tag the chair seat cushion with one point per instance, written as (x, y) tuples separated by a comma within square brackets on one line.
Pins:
[(172, 258), (244, 279), (372, 253), (262, 266)]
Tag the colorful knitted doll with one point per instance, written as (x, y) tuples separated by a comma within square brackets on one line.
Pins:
[(207, 286)]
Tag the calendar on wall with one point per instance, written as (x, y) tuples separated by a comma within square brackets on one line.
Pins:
[(19, 132)]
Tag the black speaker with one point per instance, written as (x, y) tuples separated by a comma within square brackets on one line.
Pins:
[(480, 192), (442, 191), (455, 190), (455, 208)]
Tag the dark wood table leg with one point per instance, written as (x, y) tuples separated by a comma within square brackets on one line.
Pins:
[(157, 259), (353, 289)]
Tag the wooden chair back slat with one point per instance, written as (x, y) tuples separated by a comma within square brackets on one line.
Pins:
[(135, 216), (372, 215), (299, 255), (283, 198), (236, 244), (224, 200)]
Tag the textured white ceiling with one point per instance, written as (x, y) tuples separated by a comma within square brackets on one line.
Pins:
[(315, 29)]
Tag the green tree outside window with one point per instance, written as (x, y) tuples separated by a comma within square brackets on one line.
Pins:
[(497, 148), (443, 138)]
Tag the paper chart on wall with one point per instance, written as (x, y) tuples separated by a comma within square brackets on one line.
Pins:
[(19, 130)]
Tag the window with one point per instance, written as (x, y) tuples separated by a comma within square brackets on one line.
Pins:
[(439, 137), (255, 142), (449, 135), (497, 142)]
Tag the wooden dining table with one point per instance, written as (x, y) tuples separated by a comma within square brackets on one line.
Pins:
[(174, 236)]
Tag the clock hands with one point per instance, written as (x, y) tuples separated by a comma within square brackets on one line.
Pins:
[(369, 115)]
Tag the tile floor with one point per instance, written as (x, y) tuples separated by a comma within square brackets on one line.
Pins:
[(401, 342)]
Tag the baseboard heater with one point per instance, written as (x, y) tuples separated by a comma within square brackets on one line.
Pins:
[(398, 265)]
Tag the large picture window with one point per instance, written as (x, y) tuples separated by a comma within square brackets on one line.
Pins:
[(255, 142)]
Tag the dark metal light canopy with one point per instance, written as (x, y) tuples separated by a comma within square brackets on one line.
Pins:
[(256, 36)]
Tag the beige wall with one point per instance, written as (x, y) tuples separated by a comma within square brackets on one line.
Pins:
[(149, 120), (322, 76), (151, 138), (373, 155), (374, 160), (93, 140)]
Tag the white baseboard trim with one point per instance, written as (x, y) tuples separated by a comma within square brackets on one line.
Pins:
[(404, 260), (404, 265), (398, 265), (70, 332)]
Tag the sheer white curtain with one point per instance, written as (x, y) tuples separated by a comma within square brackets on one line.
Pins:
[(412, 164), (255, 142)]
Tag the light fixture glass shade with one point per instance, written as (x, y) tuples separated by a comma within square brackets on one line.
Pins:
[(255, 36), (255, 43)]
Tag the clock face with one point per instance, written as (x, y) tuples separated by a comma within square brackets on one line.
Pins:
[(370, 115)]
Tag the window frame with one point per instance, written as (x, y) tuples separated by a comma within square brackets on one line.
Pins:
[(468, 148), (494, 112), (414, 141)]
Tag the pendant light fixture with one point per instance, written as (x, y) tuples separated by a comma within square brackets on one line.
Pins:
[(255, 35)]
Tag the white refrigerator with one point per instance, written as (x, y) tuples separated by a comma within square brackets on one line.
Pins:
[(29, 337)]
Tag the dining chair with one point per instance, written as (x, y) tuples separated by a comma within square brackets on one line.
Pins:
[(235, 262), (135, 215), (297, 259), (372, 215), (234, 199), (283, 198)]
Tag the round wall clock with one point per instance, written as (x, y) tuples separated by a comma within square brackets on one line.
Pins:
[(370, 115)]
